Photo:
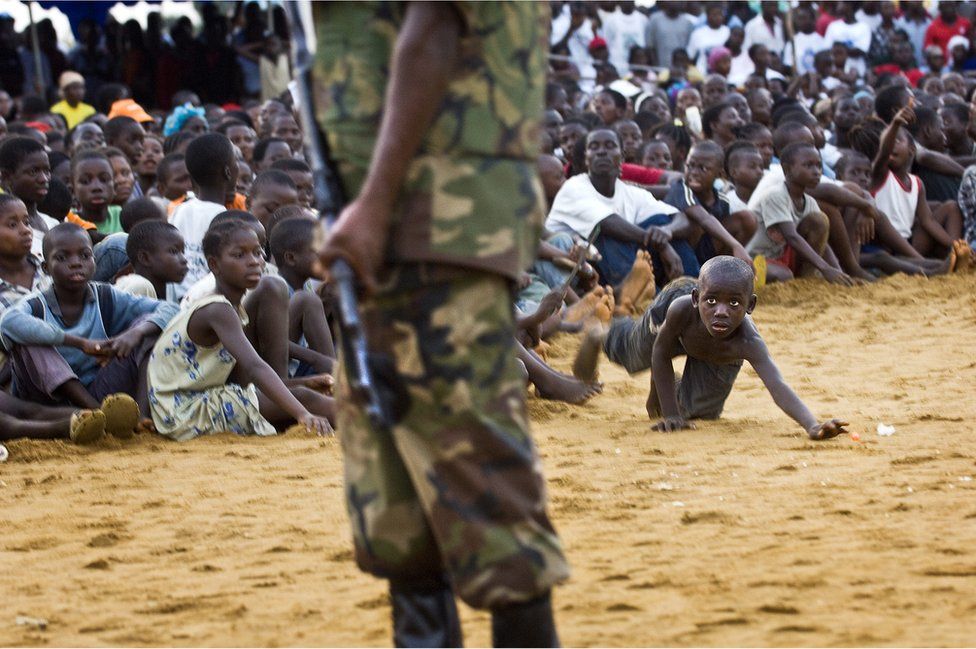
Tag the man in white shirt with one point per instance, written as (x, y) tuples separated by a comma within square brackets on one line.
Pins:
[(710, 35), (766, 29), (629, 218), (623, 28), (806, 42)]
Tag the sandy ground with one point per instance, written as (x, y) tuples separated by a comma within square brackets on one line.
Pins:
[(739, 532)]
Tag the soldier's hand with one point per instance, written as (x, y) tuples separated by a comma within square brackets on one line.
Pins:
[(359, 237)]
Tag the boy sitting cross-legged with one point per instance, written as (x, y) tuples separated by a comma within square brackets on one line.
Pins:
[(80, 342)]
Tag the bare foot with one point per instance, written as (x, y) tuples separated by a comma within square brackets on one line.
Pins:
[(319, 382), (542, 349), (557, 386), (585, 366), (604, 311), (635, 284), (964, 255), (585, 307)]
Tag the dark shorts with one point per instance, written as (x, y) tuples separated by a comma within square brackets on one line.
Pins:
[(703, 387)]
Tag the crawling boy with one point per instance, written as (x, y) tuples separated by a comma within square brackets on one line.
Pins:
[(708, 321)]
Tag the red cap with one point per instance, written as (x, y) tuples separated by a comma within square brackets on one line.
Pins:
[(599, 41)]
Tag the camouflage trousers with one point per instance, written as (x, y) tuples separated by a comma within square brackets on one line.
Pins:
[(455, 487)]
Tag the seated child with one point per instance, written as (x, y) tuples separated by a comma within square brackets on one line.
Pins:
[(656, 154), (792, 232), (300, 174), (707, 321), (744, 169), (93, 184), (25, 173), (80, 342), (124, 179), (20, 272), (855, 168), (155, 250), (110, 258), (212, 164), (292, 246), (245, 178), (205, 375), (269, 151), (711, 227), (271, 189), (900, 195), (172, 182)]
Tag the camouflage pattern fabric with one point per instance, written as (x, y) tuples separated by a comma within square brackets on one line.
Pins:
[(472, 196), (456, 485)]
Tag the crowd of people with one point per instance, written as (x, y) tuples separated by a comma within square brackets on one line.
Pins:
[(152, 242)]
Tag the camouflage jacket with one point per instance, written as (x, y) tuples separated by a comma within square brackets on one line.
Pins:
[(472, 196)]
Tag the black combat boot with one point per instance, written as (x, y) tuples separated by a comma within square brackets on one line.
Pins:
[(529, 624), (425, 615)]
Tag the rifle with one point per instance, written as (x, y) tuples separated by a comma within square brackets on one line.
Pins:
[(329, 199)]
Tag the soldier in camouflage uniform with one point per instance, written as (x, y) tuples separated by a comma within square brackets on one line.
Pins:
[(433, 115)]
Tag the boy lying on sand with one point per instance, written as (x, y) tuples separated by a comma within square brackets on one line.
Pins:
[(708, 321)]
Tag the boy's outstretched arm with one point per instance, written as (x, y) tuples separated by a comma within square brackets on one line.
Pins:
[(662, 371), (879, 167), (786, 399)]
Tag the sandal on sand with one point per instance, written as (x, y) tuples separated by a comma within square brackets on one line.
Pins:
[(86, 426), (121, 415)]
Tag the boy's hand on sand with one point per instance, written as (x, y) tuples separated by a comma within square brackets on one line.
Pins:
[(828, 429), (318, 425), (835, 276), (670, 424), (359, 236)]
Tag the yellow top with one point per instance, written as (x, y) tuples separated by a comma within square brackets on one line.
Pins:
[(74, 115)]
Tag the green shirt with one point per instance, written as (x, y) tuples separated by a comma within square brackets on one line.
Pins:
[(112, 222), (472, 195)]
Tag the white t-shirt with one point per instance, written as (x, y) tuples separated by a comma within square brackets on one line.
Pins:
[(702, 40), (622, 32), (136, 285), (757, 31), (579, 207), (898, 203), (38, 235), (857, 36), (192, 218), (742, 67), (776, 207), (871, 21), (807, 46)]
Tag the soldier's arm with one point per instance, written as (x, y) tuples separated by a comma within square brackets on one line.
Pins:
[(424, 57)]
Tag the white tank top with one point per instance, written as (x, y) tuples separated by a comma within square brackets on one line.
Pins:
[(898, 202)]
